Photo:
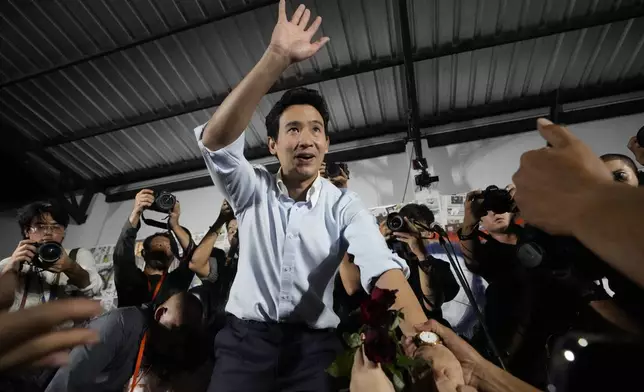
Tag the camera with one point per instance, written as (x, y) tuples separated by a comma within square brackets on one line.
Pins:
[(334, 169), (396, 223), (640, 137), (164, 202), (493, 199), (558, 254), (47, 254)]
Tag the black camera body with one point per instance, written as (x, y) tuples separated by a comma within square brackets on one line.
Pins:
[(396, 223), (493, 199), (47, 254), (335, 169), (164, 202), (640, 137)]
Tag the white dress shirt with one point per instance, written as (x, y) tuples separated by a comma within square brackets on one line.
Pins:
[(44, 286), (290, 251)]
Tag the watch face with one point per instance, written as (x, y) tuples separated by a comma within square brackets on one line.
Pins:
[(427, 337)]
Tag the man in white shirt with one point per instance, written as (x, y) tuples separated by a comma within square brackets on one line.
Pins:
[(294, 229), (74, 272)]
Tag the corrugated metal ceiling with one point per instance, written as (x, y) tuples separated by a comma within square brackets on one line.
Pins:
[(169, 77)]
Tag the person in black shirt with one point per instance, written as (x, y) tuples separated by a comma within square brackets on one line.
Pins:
[(135, 287), (430, 278)]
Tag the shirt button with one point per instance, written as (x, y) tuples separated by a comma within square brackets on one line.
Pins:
[(290, 235)]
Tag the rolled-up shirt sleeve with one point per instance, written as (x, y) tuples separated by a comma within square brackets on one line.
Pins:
[(369, 248), (85, 259), (230, 171)]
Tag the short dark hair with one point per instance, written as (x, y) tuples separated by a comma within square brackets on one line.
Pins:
[(419, 212), (620, 157), (37, 210), (173, 244), (296, 96)]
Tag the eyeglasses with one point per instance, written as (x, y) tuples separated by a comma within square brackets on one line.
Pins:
[(41, 229)]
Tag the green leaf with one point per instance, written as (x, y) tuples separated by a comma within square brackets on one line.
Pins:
[(404, 361), (342, 365), (396, 323), (352, 340), (397, 380)]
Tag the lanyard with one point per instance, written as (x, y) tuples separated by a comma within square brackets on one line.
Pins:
[(156, 289), (139, 357), (52, 287)]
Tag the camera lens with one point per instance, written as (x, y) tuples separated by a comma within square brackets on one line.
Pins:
[(395, 222), (49, 252), (166, 201)]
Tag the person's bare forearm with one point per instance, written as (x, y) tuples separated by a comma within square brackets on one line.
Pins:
[(405, 300), (78, 276), (8, 287), (182, 235), (135, 218), (349, 275), (617, 239), (234, 114), (199, 261), (494, 379)]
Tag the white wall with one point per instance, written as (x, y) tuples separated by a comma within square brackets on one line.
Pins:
[(378, 181)]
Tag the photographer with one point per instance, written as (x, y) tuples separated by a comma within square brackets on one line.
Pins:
[(510, 295), (135, 287), (430, 278), (46, 271)]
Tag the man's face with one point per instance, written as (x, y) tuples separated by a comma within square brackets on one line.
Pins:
[(232, 233), (301, 143), (496, 223), (622, 172), (45, 228), (160, 255)]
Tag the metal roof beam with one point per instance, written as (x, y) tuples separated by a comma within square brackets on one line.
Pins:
[(413, 110), (234, 11), (477, 43), (454, 116)]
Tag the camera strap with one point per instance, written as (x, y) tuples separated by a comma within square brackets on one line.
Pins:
[(52, 287), (156, 223)]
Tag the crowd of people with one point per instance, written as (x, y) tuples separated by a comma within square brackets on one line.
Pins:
[(305, 254)]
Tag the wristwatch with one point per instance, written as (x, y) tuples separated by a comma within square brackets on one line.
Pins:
[(427, 338)]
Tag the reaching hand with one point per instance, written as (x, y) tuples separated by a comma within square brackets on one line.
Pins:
[(143, 200), (26, 337), (637, 150), (367, 376), (226, 213), (471, 361), (554, 183), (292, 39)]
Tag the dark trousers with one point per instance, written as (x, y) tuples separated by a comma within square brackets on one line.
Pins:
[(265, 357)]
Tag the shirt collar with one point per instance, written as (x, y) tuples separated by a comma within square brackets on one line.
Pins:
[(312, 195)]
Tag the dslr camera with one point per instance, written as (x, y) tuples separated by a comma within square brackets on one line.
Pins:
[(164, 202), (396, 223), (47, 254), (335, 169), (493, 199)]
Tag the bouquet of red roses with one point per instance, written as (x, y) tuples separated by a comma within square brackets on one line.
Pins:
[(378, 336)]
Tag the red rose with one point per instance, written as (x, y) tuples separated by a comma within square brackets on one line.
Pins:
[(379, 347), (373, 314), (385, 297)]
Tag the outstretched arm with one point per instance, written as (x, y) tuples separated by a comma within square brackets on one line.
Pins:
[(290, 43)]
